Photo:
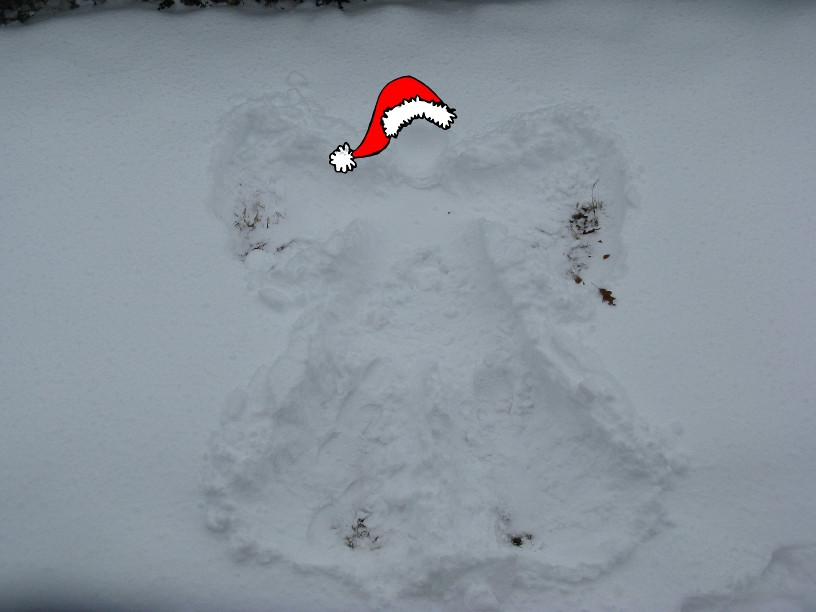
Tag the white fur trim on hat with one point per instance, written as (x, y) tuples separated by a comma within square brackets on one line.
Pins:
[(394, 119), (342, 159)]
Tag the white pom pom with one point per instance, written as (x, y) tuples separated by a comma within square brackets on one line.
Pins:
[(342, 159)]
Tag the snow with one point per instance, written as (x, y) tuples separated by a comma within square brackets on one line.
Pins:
[(232, 377)]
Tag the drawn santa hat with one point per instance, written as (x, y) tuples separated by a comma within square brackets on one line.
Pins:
[(400, 102)]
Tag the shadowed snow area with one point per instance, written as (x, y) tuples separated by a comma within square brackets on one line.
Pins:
[(432, 427), (787, 584)]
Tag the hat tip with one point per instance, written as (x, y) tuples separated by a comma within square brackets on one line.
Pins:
[(342, 158)]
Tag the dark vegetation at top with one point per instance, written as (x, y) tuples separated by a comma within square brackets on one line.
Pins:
[(21, 11)]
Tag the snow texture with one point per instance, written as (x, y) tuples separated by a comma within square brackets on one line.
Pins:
[(431, 428), (439, 422), (787, 584)]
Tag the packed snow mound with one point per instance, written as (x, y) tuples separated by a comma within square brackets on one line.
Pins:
[(432, 428), (787, 584)]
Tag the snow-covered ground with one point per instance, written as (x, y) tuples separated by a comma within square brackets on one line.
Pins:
[(233, 378)]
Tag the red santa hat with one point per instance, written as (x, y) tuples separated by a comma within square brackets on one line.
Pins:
[(400, 102)]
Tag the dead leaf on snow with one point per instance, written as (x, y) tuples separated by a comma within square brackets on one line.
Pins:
[(606, 296)]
